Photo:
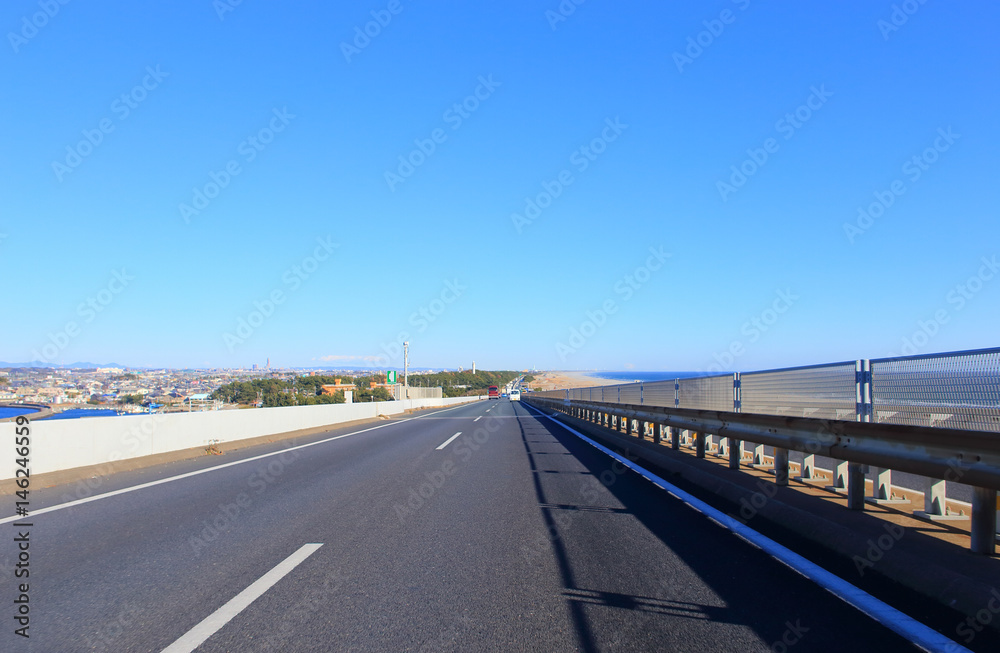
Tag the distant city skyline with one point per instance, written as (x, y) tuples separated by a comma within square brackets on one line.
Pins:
[(644, 187)]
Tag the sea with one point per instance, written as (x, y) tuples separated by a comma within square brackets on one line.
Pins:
[(73, 413), (629, 375), (8, 411)]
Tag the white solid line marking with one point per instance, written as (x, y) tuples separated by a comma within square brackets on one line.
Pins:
[(449, 441), (885, 614), (143, 486), (478, 418), (193, 638)]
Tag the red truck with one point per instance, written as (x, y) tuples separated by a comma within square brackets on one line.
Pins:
[(494, 392)]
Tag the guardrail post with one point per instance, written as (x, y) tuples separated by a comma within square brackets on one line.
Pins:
[(780, 466), (735, 454), (856, 486), (642, 429), (699, 444), (984, 521), (657, 433), (675, 438)]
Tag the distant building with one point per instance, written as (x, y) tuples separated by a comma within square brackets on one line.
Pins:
[(336, 387)]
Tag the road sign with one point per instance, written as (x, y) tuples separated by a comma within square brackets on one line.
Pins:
[(390, 376)]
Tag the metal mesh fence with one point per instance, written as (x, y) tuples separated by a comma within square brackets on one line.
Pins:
[(707, 393), (630, 393), (957, 390), (954, 390), (821, 391), (658, 393)]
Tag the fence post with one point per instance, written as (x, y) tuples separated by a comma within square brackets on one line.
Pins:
[(657, 433), (699, 444), (675, 438), (734, 446), (862, 413)]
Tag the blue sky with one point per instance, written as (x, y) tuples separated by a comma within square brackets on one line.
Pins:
[(645, 111)]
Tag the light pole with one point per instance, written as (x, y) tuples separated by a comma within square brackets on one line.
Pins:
[(406, 369)]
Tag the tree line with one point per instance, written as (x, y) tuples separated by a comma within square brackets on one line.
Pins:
[(307, 390)]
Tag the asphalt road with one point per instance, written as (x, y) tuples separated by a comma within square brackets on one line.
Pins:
[(515, 535)]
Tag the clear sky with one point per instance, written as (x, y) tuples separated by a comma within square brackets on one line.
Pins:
[(622, 185)]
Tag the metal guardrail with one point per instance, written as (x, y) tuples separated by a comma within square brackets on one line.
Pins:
[(972, 456), (933, 415)]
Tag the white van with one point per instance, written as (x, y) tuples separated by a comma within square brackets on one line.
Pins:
[(515, 395)]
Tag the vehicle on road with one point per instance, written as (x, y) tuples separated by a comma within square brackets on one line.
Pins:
[(515, 395), (494, 392)]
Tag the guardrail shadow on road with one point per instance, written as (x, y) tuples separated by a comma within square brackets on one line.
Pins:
[(743, 580)]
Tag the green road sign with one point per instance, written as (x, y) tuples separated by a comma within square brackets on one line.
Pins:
[(390, 376)]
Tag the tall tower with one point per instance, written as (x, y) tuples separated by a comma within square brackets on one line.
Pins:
[(473, 367)]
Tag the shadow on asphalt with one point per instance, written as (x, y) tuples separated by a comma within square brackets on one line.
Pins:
[(759, 592)]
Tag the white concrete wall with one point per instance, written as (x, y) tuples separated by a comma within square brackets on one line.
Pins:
[(68, 443)]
